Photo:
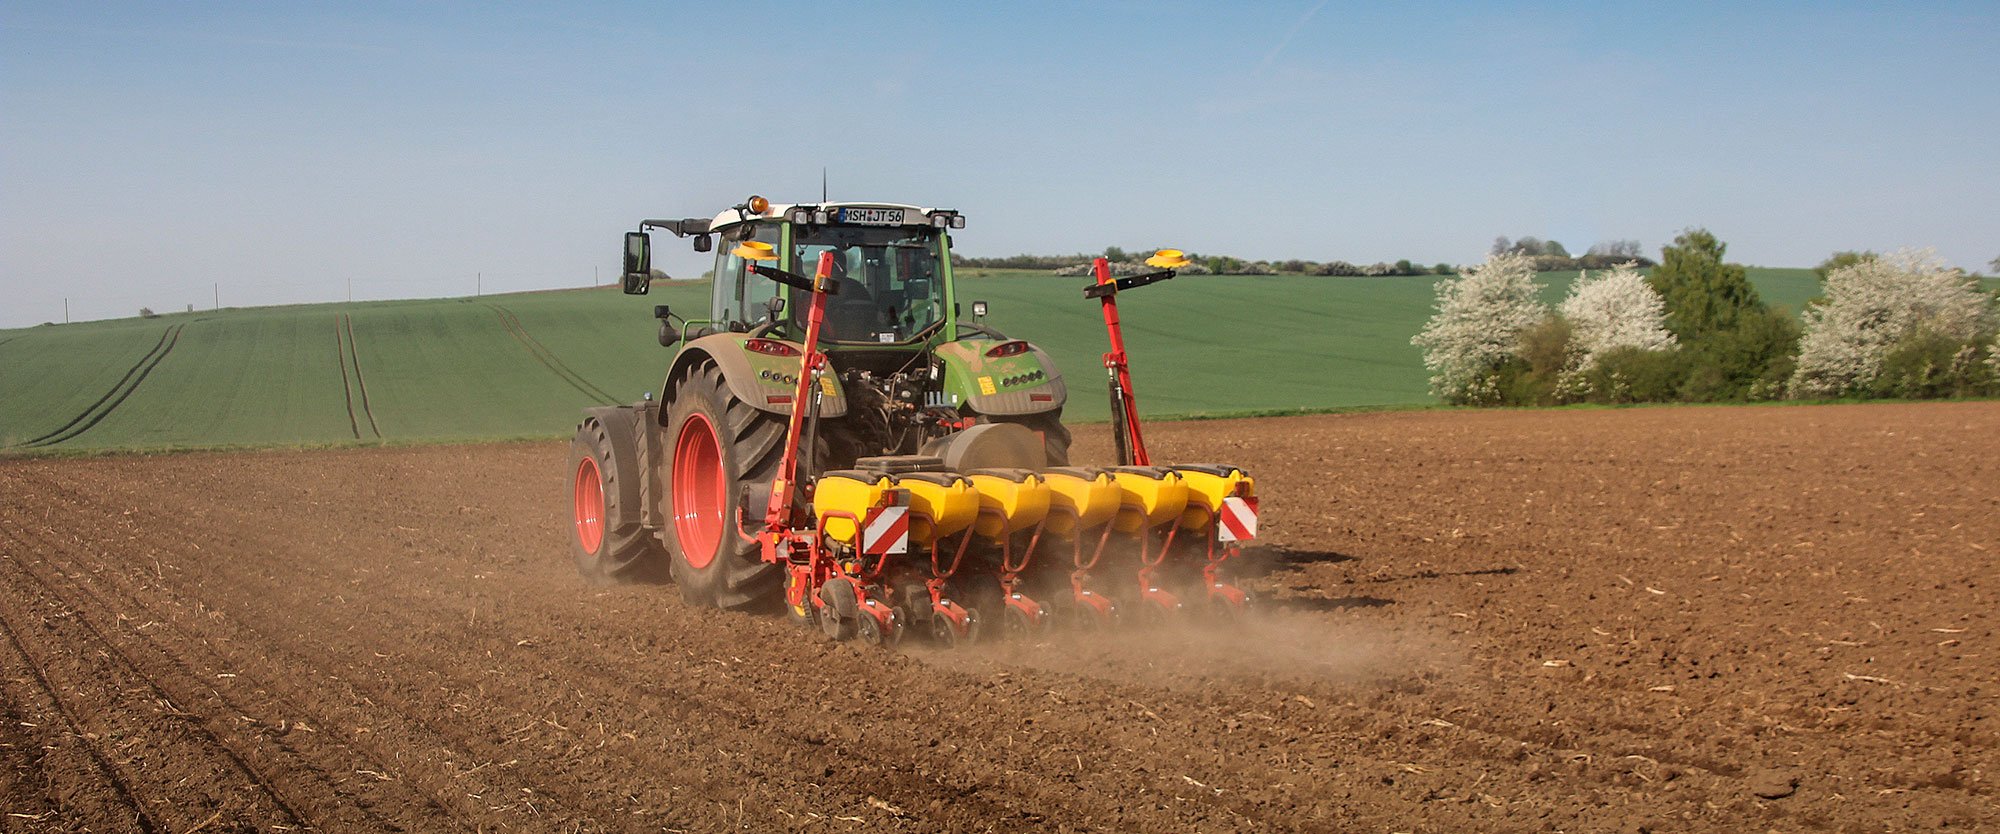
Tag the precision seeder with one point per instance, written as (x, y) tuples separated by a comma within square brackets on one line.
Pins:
[(876, 464)]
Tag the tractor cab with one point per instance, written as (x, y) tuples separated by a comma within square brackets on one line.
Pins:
[(891, 267)]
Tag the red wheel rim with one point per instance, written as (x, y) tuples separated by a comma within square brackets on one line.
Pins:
[(700, 496), (589, 506)]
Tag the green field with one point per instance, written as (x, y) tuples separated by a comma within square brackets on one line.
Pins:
[(522, 365)]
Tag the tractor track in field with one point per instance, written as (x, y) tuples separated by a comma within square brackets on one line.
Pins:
[(102, 408), (350, 355), (1651, 619), (346, 386), (341, 778), (46, 691), (549, 359), (191, 738)]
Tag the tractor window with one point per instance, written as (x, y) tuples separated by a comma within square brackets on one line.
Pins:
[(738, 300), (891, 287)]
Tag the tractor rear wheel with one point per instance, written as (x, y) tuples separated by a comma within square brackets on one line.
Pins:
[(720, 452), (606, 537)]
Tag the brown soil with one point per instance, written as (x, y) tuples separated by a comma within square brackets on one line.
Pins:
[(1685, 619)]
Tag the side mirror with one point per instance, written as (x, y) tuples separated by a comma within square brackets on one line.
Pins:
[(703, 243), (978, 310), (774, 307), (638, 278)]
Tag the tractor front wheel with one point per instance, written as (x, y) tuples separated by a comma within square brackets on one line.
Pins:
[(721, 452)]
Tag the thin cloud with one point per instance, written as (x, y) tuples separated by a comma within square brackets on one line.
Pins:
[(1272, 56)]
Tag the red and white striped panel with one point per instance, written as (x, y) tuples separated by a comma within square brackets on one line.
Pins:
[(1238, 519), (887, 531)]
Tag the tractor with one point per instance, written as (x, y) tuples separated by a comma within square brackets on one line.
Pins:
[(834, 437)]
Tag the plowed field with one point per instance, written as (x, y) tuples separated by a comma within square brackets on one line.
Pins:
[(1687, 619)]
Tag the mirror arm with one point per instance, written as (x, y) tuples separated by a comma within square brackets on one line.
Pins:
[(681, 228)]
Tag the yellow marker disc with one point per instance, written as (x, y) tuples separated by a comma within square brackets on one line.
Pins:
[(755, 250), (1168, 259)]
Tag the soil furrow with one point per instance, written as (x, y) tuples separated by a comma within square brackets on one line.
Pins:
[(342, 784), (384, 713), (68, 799), (125, 667)]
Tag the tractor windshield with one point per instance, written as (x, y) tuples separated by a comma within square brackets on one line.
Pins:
[(891, 286)]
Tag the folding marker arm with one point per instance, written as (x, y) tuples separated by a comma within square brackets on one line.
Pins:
[(793, 279), (1130, 282)]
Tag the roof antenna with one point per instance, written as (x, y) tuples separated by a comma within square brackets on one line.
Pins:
[(822, 183)]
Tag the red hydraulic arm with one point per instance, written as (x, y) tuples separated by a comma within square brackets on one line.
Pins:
[(1124, 404), (778, 514)]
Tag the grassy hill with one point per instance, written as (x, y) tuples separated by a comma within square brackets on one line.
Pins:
[(523, 364)]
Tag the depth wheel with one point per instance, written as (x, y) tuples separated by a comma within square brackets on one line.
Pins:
[(839, 617), (1017, 625), (869, 630), (719, 449)]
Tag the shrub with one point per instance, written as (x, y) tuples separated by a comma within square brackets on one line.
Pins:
[(1634, 375), (1478, 325), (1931, 365), (1541, 367), (147, 313), (1703, 293), (1905, 300), (1445, 269), (1841, 259), (1341, 269), (1749, 361), (1616, 309)]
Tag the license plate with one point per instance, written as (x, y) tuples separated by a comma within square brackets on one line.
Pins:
[(871, 216)]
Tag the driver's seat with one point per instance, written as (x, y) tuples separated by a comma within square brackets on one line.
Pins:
[(850, 312)]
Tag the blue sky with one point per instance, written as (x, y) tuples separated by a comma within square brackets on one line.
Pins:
[(149, 152)]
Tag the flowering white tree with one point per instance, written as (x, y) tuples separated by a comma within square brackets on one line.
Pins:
[(1615, 310), (1872, 305), (1480, 317)]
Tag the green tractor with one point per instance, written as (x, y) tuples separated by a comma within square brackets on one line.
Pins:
[(676, 485)]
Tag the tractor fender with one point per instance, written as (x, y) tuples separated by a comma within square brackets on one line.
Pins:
[(754, 378), (1007, 386)]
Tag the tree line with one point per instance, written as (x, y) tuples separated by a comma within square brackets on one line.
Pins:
[(1902, 324)]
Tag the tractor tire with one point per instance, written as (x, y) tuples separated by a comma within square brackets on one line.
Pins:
[(607, 539), (720, 452), (1049, 425)]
